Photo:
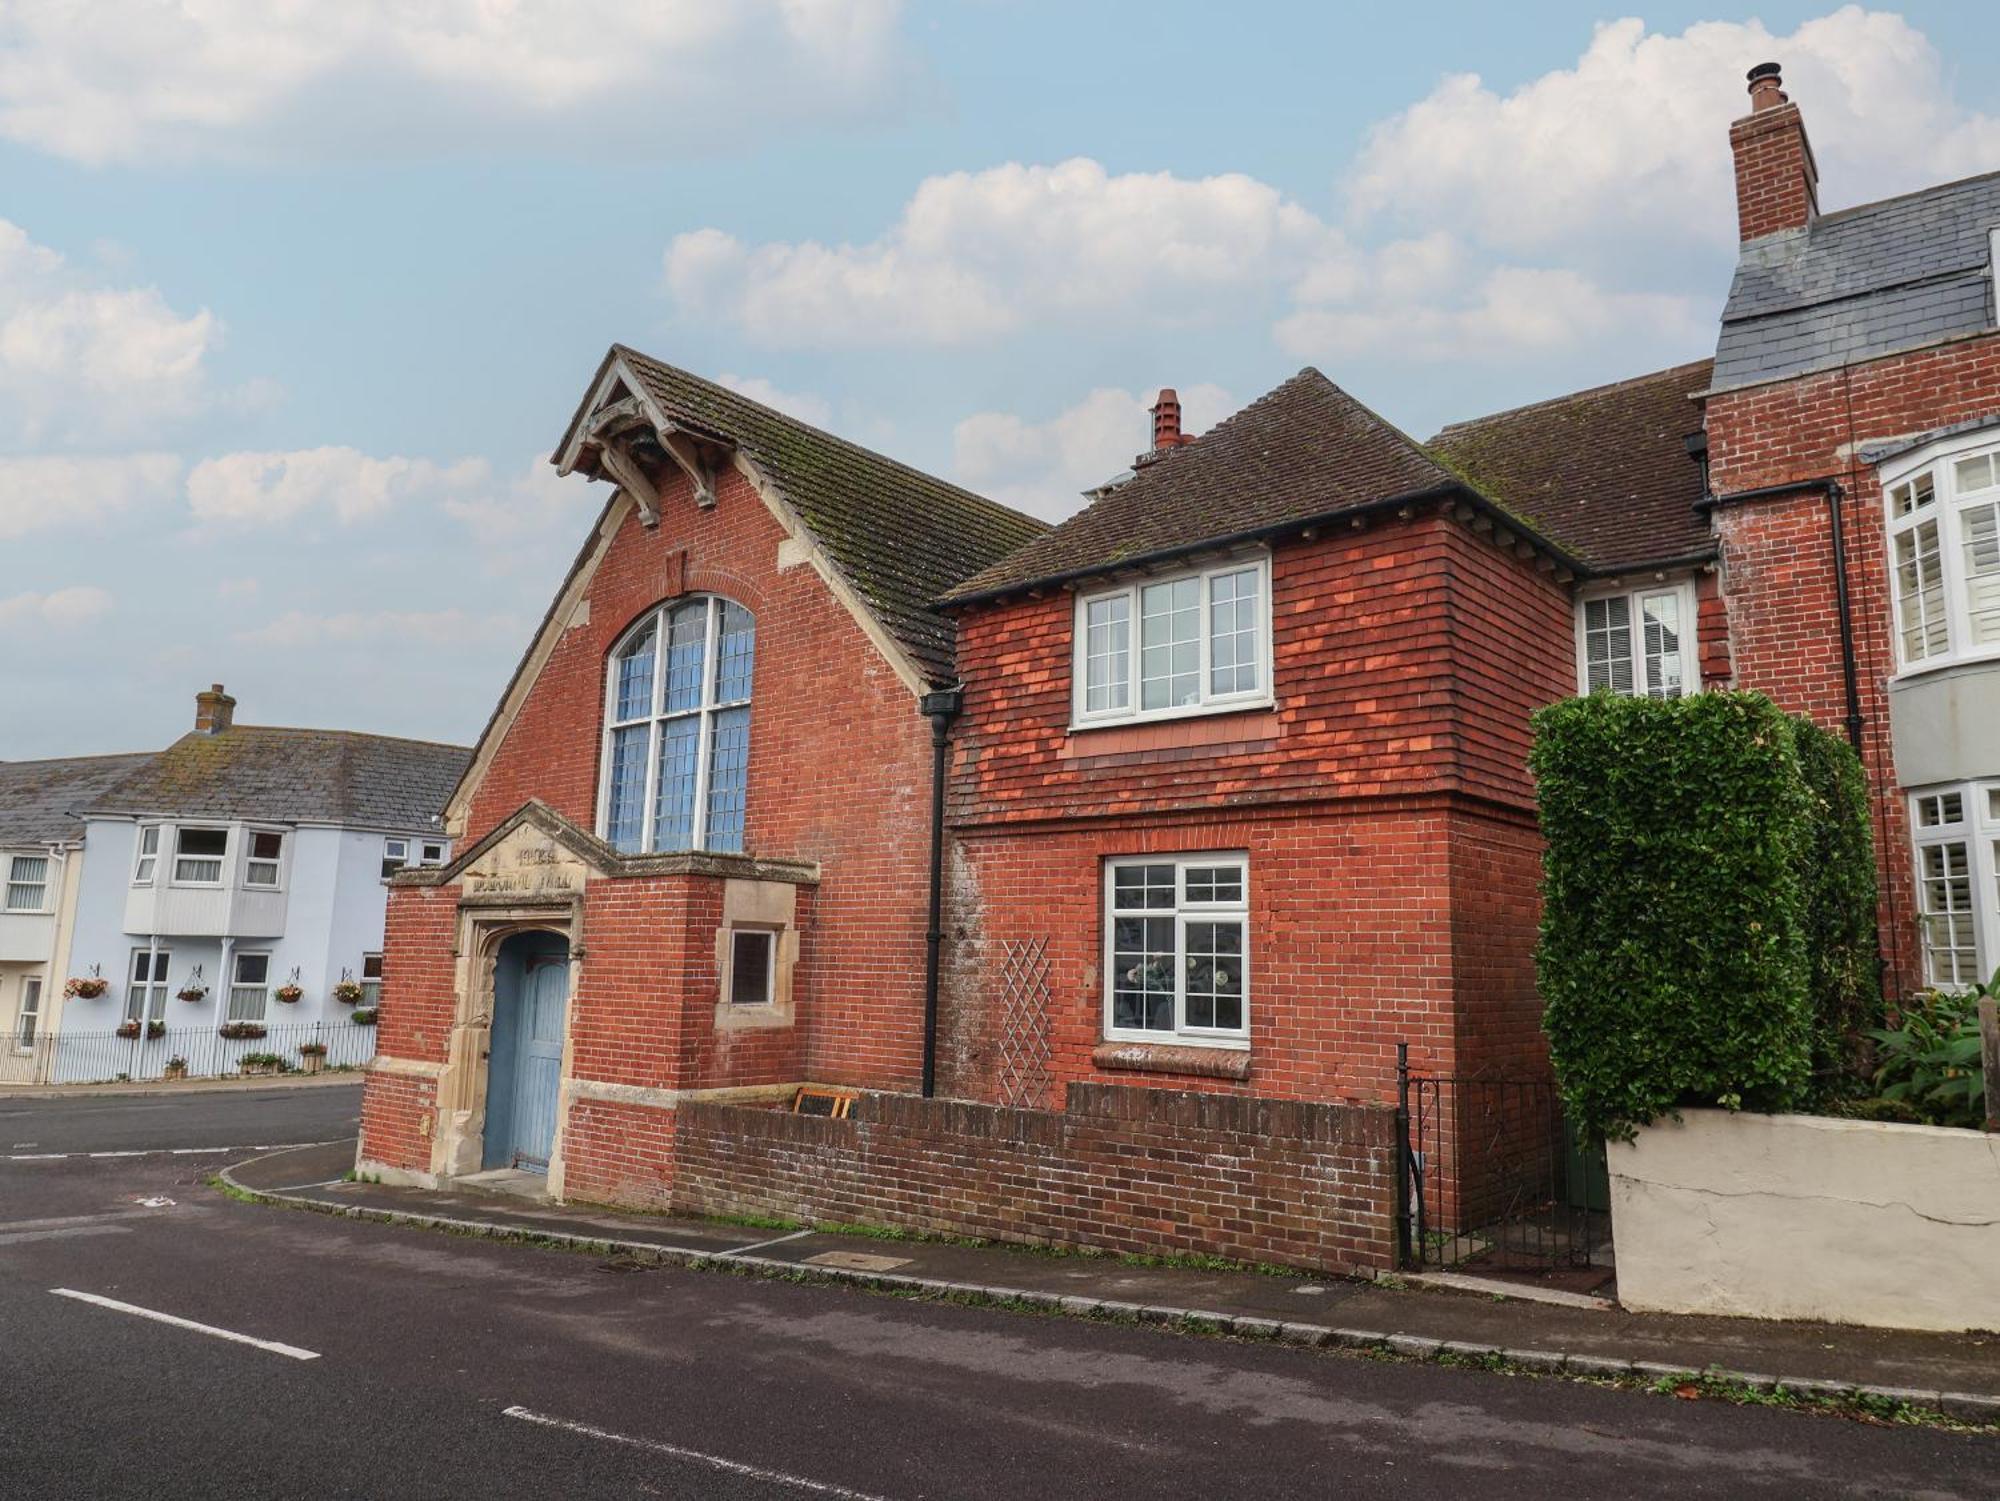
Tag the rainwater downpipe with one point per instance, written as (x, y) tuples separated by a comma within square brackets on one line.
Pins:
[(1844, 603), (941, 708)]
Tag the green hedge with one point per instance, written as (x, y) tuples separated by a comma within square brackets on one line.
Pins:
[(1840, 895), (1702, 896)]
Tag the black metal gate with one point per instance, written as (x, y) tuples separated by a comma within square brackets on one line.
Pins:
[(1489, 1176)]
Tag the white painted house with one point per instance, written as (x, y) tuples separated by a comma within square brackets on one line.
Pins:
[(229, 891)]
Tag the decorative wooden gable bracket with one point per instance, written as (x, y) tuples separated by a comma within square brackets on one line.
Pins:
[(694, 458)]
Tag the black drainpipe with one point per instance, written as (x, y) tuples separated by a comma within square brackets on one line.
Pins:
[(1834, 495), (1842, 599), (942, 708)]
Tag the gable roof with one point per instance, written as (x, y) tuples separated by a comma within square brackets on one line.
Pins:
[(1863, 282), (1604, 471), (294, 776), (41, 801), (1302, 451), (898, 536)]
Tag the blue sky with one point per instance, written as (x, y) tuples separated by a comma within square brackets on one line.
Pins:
[(293, 301)]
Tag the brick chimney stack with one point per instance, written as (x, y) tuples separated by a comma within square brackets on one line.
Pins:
[(1777, 181), (214, 711)]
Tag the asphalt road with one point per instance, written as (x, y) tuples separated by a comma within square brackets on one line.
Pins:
[(198, 1119), (447, 1367)]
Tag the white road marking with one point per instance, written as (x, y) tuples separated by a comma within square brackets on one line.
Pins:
[(675, 1451), (282, 1146), (779, 1241), (15, 1238), (291, 1351)]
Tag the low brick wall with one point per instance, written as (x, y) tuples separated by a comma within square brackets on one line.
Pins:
[(1123, 1169)]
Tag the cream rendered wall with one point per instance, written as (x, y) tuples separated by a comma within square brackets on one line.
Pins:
[(1806, 1217)]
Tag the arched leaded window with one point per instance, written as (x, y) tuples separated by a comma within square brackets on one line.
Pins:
[(677, 729)]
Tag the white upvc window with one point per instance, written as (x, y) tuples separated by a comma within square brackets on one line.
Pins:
[(146, 996), (198, 856), (146, 859), (1177, 949), (266, 858), (398, 852), (1196, 643), (249, 987), (28, 1019), (27, 883), (1637, 642), (676, 756), (1944, 553), (371, 979), (1956, 831)]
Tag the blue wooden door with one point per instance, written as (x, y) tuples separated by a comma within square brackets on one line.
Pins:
[(530, 995)]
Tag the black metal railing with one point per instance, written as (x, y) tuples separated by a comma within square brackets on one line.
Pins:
[(1489, 1177), (158, 1052)]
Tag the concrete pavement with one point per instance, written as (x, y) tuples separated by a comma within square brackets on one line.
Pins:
[(445, 1366)]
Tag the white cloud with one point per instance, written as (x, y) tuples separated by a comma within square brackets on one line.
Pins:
[(800, 404), (265, 489), (50, 493), (443, 628), (80, 357), (979, 254), (59, 609), (1044, 467), (1426, 309), (252, 78), (1628, 146), (522, 525)]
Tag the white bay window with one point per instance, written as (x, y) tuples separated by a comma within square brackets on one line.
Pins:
[(1956, 831), (1163, 648), (1944, 556), (1176, 949)]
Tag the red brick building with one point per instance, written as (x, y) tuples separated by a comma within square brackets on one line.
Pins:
[(1144, 840)]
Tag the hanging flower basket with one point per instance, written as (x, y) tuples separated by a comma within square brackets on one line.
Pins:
[(364, 1016), (237, 1031), (291, 995), (348, 992), (86, 987), (192, 994)]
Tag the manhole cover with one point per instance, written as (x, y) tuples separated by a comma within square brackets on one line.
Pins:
[(857, 1261)]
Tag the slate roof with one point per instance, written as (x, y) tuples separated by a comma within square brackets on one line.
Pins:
[(1862, 282), (899, 536), (1302, 451), (1603, 471), (40, 800), (294, 776)]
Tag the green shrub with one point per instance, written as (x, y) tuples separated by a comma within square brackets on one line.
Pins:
[(1839, 894), (1929, 1061), (1673, 956)]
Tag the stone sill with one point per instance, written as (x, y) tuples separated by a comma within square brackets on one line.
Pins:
[(1172, 1058)]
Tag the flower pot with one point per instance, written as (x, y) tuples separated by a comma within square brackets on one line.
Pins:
[(176, 1071), (312, 1063), (128, 1030), (254, 1070), (291, 995)]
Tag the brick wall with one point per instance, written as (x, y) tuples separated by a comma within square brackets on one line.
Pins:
[(398, 1117), (1385, 806), (1128, 1170), (1777, 562)]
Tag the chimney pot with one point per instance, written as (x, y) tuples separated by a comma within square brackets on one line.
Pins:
[(1767, 86), (214, 711)]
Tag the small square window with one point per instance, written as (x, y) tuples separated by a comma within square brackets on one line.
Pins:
[(752, 952), (433, 852), (395, 855)]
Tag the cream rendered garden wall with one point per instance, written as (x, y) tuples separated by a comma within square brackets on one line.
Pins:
[(1804, 1217)]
